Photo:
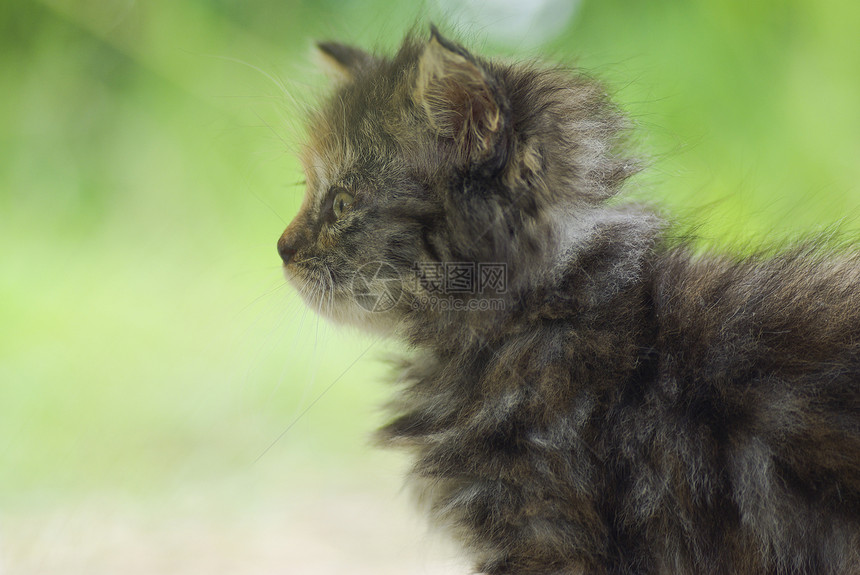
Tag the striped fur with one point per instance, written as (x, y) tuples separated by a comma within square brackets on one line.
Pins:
[(628, 407)]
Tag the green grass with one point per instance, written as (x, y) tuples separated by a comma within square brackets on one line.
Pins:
[(147, 170)]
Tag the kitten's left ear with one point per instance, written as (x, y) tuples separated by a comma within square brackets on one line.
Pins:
[(459, 98), (344, 61)]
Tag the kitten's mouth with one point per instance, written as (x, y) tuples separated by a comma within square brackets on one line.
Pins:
[(315, 285), (368, 306)]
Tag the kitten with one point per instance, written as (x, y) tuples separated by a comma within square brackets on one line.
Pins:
[(585, 396)]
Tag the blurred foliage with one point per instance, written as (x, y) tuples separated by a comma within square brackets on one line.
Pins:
[(147, 169)]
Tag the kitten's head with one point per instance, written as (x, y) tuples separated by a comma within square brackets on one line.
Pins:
[(426, 169)]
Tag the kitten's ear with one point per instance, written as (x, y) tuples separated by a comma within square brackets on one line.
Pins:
[(458, 97), (342, 60)]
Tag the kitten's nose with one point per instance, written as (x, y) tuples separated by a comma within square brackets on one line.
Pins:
[(295, 237), (285, 249)]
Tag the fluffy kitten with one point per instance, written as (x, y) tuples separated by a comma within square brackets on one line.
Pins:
[(584, 396)]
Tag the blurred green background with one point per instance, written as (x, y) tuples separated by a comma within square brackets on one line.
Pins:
[(152, 360)]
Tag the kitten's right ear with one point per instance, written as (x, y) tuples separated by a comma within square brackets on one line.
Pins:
[(342, 60)]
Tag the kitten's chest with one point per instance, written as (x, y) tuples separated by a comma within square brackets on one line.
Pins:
[(505, 458)]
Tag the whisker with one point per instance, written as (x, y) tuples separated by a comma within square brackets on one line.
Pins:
[(277, 82), (317, 399)]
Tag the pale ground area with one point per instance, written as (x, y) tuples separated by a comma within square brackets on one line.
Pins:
[(355, 532)]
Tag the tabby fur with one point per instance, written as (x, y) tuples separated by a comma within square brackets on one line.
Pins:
[(628, 406)]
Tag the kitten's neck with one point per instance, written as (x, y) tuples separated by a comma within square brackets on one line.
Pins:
[(581, 333), (594, 258)]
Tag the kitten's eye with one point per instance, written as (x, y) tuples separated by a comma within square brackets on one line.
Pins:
[(341, 202)]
